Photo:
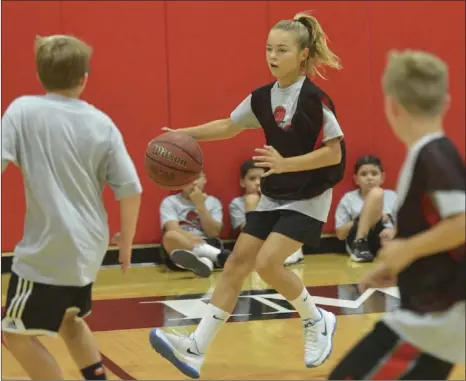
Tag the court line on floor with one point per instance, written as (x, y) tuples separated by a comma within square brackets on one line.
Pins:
[(115, 368)]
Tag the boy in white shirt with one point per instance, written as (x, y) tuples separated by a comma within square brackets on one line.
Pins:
[(188, 219), (240, 206), (364, 217)]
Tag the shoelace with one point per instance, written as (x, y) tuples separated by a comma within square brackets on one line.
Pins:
[(182, 333), (310, 332)]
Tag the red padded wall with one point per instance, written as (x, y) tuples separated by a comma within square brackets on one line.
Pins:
[(183, 63), (216, 56), (21, 22), (436, 26)]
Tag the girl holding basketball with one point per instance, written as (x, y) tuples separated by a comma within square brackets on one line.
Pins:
[(304, 158)]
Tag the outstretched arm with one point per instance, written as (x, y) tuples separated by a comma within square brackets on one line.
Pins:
[(216, 130), (241, 118)]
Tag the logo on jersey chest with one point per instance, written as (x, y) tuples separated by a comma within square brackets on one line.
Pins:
[(279, 115), (192, 219)]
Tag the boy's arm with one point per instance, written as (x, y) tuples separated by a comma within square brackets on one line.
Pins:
[(124, 181), (389, 209), (211, 220), (129, 212), (442, 172), (446, 235), (343, 222), (9, 140)]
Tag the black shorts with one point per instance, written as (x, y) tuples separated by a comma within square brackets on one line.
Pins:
[(289, 223), (38, 309), (383, 355), (373, 238)]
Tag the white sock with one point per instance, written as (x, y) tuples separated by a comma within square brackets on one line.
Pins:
[(206, 250), (208, 327), (306, 307)]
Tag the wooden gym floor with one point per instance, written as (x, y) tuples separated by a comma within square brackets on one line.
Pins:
[(263, 339)]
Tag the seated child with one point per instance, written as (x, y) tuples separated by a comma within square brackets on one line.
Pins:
[(250, 177), (364, 217), (188, 219)]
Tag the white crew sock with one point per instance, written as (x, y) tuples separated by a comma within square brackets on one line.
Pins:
[(208, 327), (206, 250), (306, 307)]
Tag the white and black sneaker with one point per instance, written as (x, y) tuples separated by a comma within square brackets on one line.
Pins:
[(295, 258), (188, 260), (318, 338), (180, 350), (360, 252)]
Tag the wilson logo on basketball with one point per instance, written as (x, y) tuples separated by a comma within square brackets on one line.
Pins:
[(167, 154)]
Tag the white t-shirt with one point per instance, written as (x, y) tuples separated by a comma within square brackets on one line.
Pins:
[(237, 212), (351, 204), (178, 208), (284, 102)]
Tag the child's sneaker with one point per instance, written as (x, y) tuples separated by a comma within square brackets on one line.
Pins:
[(188, 260), (180, 350), (318, 336), (360, 252)]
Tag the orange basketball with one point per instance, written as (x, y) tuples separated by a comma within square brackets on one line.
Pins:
[(173, 160)]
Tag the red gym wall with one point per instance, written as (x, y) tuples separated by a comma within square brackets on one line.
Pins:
[(180, 63)]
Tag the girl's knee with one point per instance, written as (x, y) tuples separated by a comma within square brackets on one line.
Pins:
[(239, 264), (266, 265), (235, 267)]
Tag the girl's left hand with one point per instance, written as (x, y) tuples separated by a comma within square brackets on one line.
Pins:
[(270, 159)]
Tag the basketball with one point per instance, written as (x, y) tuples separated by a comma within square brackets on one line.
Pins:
[(173, 160)]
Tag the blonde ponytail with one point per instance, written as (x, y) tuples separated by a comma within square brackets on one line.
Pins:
[(310, 35)]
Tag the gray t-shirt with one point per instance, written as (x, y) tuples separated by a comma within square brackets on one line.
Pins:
[(350, 207), (67, 150), (284, 102), (237, 212), (178, 208)]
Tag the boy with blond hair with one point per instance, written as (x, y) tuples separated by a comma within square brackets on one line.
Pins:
[(67, 151), (425, 337)]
